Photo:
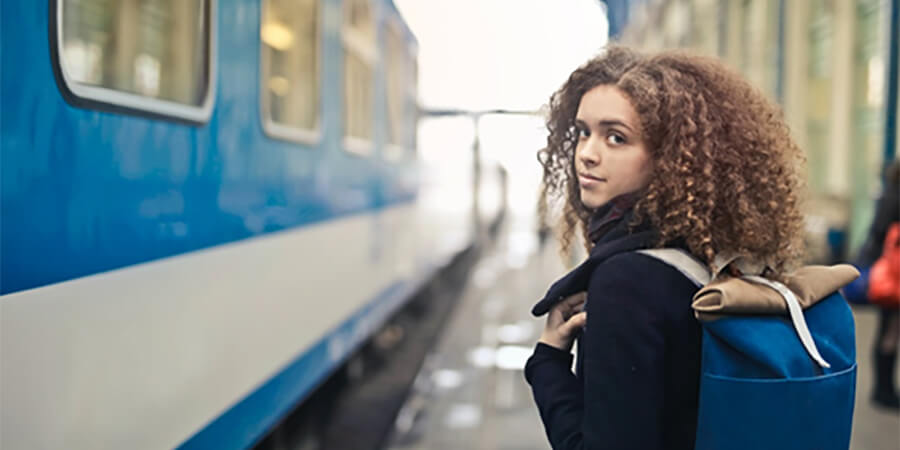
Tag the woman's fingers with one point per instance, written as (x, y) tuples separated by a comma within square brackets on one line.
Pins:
[(572, 304), (560, 331), (564, 320), (572, 325), (575, 300)]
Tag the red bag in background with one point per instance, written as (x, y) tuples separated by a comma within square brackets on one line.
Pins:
[(884, 278)]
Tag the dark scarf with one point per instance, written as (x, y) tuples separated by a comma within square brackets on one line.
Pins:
[(607, 216)]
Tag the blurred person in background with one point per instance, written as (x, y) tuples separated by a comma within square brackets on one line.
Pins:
[(887, 212), (665, 150)]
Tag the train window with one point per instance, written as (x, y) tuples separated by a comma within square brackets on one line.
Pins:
[(289, 36), (397, 81), (147, 56), (359, 62)]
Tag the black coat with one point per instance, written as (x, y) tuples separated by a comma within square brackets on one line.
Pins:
[(637, 378)]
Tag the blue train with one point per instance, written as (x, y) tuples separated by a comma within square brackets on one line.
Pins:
[(207, 206)]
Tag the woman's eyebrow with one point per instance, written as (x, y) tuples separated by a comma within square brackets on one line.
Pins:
[(605, 123), (613, 122)]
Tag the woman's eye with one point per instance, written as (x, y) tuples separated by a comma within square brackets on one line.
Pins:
[(583, 133), (615, 139)]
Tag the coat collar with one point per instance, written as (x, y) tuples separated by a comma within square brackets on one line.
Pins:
[(618, 238)]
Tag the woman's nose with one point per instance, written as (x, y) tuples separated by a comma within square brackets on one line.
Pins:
[(590, 154)]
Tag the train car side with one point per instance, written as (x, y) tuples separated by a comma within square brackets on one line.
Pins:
[(185, 279)]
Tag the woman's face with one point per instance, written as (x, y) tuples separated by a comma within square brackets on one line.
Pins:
[(610, 157)]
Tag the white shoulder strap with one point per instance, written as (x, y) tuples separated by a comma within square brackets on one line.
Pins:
[(796, 317), (698, 273), (683, 261)]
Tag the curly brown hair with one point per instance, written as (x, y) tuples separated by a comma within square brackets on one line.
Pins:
[(727, 175)]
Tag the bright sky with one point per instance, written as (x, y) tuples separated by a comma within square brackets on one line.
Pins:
[(493, 54), (485, 54)]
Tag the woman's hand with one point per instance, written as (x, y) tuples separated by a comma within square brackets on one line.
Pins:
[(563, 321)]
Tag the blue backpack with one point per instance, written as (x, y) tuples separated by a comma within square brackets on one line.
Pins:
[(857, 292), (772, 381)]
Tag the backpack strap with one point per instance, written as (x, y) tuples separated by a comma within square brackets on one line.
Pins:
[(689, 266), (797, 317), (695, 271)]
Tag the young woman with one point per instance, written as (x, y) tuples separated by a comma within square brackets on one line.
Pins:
[(666, 150)]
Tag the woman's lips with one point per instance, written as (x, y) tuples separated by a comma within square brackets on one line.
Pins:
[(589, 180)]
